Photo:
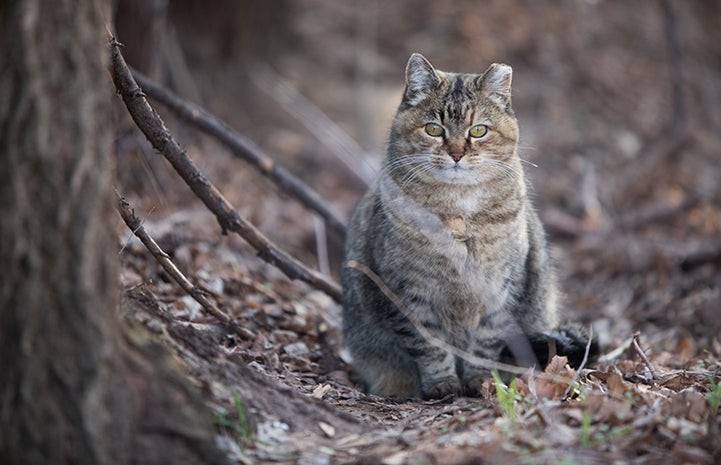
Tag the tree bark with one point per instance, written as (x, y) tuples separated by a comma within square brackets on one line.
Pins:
[(74, 388)]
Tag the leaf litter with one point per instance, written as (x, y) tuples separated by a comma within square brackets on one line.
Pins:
[(614, 410), (634, 219)]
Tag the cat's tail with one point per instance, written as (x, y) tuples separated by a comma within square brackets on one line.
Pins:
[(569, 339)]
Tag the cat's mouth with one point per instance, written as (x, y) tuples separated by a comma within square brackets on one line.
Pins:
[(454, 171), (471, 169), (447, 163)]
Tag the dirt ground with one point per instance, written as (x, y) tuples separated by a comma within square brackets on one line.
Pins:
[(618, 104)]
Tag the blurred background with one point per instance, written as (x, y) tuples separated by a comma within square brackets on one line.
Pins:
[(619, 105)]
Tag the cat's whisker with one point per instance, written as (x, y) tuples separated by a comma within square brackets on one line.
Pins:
[(530, 163), (418, 155), (509, 171), (523, 148), (414, 174), (415, 164), (414, 158), (404, 162)]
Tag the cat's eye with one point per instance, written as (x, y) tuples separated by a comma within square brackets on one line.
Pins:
[(479, 130), (433, 129)]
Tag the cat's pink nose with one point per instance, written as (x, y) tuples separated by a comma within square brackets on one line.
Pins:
[(456, 156)]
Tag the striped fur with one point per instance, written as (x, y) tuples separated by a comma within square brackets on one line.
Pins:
[(457, 241)]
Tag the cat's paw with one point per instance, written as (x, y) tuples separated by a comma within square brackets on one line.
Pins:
[(442, 388), (571, 341), (473, 387), (568, 340)]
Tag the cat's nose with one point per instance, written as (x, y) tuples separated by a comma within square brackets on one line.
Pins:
[(456, 156)]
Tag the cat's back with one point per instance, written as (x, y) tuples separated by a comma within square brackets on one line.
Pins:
[(361, 227)]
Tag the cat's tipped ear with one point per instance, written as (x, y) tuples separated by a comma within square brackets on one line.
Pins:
[(421, 79), (496, 82)]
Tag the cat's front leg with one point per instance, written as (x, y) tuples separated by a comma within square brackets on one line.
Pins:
[(473, 374), (422, 332), (437, 369)]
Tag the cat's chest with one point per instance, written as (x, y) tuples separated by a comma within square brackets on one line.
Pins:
[(485, 228), (482, 252), (457, 228), (471, 274), (476, 243)]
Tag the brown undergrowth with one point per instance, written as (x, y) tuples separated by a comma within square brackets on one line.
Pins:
[(626, 180), (642, 401)]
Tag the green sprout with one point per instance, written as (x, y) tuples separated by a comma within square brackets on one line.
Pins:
[(241, 425), (604, 431), (714, 395), (586, 429), (507, 397)]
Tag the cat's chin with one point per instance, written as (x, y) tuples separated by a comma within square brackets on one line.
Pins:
[(458, 175)]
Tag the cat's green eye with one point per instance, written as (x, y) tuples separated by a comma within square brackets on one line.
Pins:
[(479, 130), (433, 129)]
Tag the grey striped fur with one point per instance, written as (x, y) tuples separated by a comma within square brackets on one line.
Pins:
[(457, 241)]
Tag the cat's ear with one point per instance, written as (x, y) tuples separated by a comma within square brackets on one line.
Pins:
[(496, 83), (421, 79)]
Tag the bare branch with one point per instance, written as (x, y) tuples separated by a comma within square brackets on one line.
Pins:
[(644, 357), (316, 122), (321, 245), (229, 219), (134, 224), (242, 147)]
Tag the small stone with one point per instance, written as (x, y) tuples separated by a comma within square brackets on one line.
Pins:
[(296, 349)]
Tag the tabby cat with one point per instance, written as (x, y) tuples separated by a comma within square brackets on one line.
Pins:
[(449, 229)]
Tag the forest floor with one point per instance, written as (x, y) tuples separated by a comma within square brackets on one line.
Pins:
[(632, 207)]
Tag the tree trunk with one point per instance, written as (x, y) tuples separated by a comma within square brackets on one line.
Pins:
[(74, 388)]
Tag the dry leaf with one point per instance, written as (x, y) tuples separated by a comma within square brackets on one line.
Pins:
[(613, 380), (616, 384), (607, 409), (327, 429), (689, 404), (553, 389), (320, 390)]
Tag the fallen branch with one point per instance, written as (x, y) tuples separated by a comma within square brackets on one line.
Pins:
[(229, 219), (242, 147), (134, 224), (644, 357)]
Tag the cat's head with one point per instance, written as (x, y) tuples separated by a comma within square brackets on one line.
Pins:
[(452, 127)]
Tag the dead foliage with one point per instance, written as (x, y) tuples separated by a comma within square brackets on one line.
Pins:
[(627, 183)]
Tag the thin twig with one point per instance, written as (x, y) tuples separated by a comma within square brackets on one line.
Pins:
[(642, 354), (229, 219), (441, 344), (582, 365), (136, 226), (321, 245), (317, 123), (125, 244), (617, 352), (242, 147)]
